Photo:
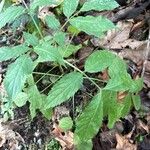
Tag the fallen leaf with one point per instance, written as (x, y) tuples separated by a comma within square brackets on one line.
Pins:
[(141, 125), (8, 135), (60, 112), (115, 37), (124, 144), (118, 39), (64, 138)]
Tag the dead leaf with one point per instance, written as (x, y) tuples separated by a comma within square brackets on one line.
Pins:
[(59, 112), (124, 144), (141, 125), (7, 134), (64, 138), (146, 78), (45, 10), (116, 37)]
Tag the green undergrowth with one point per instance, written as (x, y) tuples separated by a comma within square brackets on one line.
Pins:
[(19, 81)]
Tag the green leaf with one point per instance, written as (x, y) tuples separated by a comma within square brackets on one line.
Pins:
[(66, 87), (35, 100), (73, 30), (65, 123), (81, 145), (117, 68), (10, 14), (112, 108), (60, 38), (98, 61), (30, 39), (12, 52), (127, 102), (17, 74), (99, 5), (136, 85), (92, 25), (89, 122), (47, 113), (136, 101), (20, 99), (69, 7), (47, 52), (68, 50), (52, 22)]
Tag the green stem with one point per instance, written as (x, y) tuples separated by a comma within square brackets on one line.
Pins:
[(38, 29), (69, 20), (77, 69), (50, 84), (45, 74)]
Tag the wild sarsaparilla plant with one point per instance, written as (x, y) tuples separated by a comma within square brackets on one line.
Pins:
[(19, 83)]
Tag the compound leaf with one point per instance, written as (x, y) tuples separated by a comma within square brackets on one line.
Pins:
[(66, 87)]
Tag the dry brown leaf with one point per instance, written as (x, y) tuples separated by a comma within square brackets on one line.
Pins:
[(64, 138), (119, 38), (147, 79), (7, 134), (141, 125), (137, 54), (45, 10), (60, 112), (116, 37), (124, 144)]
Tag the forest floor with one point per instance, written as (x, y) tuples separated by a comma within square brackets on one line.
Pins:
[(131, 43)]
